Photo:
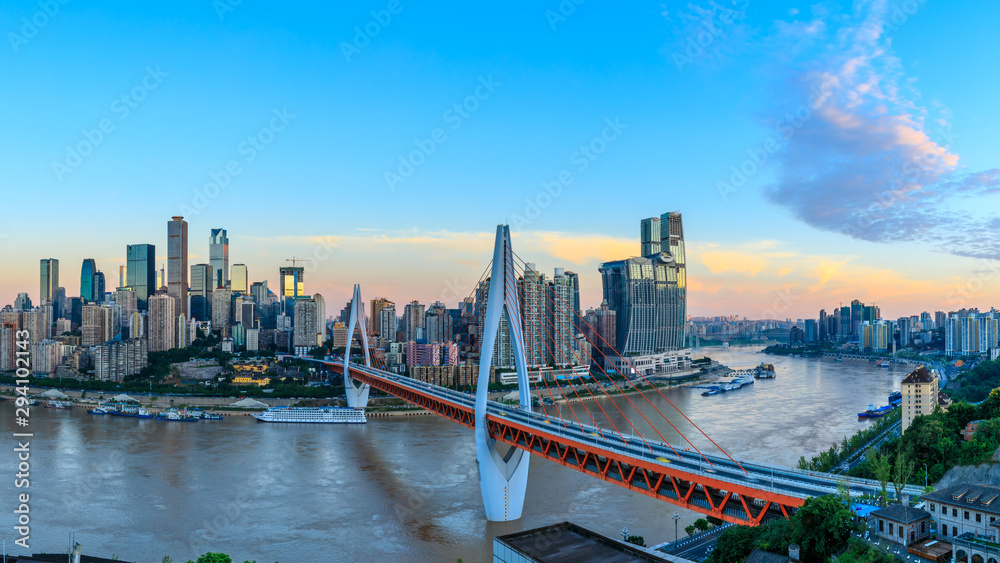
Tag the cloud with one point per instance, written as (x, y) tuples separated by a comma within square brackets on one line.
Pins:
[(869, 161)]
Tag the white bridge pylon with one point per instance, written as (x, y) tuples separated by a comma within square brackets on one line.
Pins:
[(357, 395), (503, 479)]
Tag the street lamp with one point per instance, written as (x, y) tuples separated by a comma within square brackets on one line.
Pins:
[(677, 516)]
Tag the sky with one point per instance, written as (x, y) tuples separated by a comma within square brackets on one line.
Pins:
[(819, 152)]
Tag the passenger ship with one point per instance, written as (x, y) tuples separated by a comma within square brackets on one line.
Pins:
[(320, 415)]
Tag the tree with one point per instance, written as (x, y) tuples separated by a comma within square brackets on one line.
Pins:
[(736, 543), (636, 540), (882, 469), (821, 527), (318, 353), (701, 524), (901, 474)]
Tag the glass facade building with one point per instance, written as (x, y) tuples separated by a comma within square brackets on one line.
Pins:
[(649, 293), (141, 272), (87, 280), (218, 255)]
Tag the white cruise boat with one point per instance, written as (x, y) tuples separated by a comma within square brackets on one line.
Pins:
[(317, 415)]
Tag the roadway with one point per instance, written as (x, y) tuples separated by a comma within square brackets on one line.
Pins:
[(781, 480)]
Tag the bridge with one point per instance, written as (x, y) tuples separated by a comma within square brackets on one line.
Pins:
[(747, 328), (507, 436)]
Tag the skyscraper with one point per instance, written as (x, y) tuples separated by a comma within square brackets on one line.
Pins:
[(98, 286), (387, 322), (218, 254), (49, 278), (649, 294), (533, 312), (649, 236), (222, 302), (201, 291), (292, 282), (87, 280), (162, 323), (97, 326), (375, 311), (562, 345), (413, 321), (177, 263), (141, 272), (239, 278)]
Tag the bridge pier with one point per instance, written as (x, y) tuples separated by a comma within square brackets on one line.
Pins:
[(357, 395), (503, 477)]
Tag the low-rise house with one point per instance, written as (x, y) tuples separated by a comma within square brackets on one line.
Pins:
[(902, 524), (969, 432)]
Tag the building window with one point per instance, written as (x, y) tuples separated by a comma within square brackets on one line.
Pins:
[(890, 528), (932, 508), (966, 514), (954, 530), (954, 512), (944, 530), (923, 527), (900, 531), (979, 517)]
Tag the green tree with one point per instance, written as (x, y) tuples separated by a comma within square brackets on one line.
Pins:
[(776, 537), (701, 524), (636, 540), (901, 474), (211, 557), (821, 527), (882, 469), (736, 543)]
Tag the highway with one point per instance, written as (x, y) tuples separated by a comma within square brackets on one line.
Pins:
[(782, 480)]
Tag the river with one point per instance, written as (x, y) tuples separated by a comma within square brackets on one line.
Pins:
[(402, 489)]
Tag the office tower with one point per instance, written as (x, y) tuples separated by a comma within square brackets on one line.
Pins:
[(201, 291), (87, 272), (141, 272), (292, 282), (97, 325), (177, 263), (413, 321), (22, 302), (49, 279), (533, 311), (98, 286), (218, 253), (221, 304), (126, 301), (162, 322), (387, 322), (562, 345), (375, 311), (811, 332), (649, 236), (247, 314), (649, 294), (238, 283), (259, 292), (121, 275)]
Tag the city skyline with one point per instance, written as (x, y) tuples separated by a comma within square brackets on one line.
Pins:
[(570, 154)]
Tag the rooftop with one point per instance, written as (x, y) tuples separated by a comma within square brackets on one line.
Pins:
[(568, 543), (919, 375), (978, 497), (758, 556), (901, 513)]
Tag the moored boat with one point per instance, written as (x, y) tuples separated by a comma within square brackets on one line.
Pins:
[(313, 415)]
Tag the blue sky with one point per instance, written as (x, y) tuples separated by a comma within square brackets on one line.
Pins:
[(817, 224)]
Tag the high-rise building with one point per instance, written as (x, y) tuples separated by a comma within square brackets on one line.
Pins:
[(49, 279), (222, 300), (238, 282), (97, 325), (811, 332), (218, 253), (413, 321), (919, 394), (574, 280), (649, 294), (201, 291), (940, 319), (177, 263), (987, 333), (649, 236), (534, 310), (113, 361), (309, 328), (126, 301), (260, 292), (121, 275), (387, 322), (375, 311), (141, 272), (926, 321), (970, 335), (162, 323), (98, 287), (87, 272), (503, 348), (562, 344), (292, 282)]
